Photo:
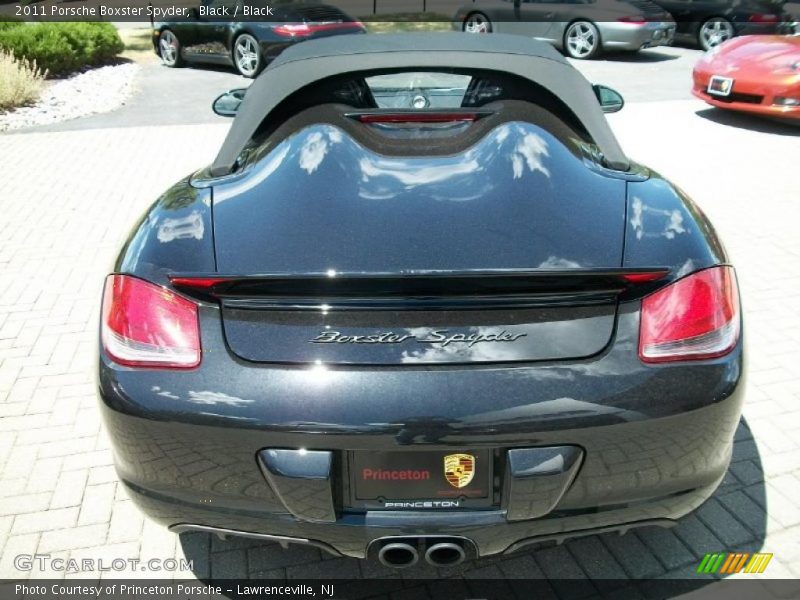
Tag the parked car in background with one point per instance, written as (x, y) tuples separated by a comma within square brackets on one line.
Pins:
[(711, 22), (251, 41), (754, 74), (579, 29)]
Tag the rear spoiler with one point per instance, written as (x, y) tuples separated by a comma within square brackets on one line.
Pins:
[(425, 290)]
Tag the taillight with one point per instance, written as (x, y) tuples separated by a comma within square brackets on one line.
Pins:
[(292, 29), (764, 18), (643, 276), (198, 283), (305, 29), (633, 20), (694, 318), (145, 325)]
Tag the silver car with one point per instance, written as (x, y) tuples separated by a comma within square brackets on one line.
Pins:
[(579, 28)]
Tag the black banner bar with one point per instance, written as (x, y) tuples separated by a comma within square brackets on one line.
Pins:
[(443, 589)]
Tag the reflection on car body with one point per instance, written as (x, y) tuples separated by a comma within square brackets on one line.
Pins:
[(190, 226)]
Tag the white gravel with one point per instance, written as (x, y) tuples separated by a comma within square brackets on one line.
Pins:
[(95, 91)]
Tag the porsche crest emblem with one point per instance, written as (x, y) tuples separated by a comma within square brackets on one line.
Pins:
[(459, 469)]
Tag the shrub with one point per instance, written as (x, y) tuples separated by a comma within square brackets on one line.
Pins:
[(7, 22), (61, 48), (20, 81)]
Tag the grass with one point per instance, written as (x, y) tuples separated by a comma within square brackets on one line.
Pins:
[(138, 47), (20, 82), (402, 22)]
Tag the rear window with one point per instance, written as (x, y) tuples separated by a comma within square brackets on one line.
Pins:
[(419, 90)]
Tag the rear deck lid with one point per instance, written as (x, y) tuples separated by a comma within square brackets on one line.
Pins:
[(320, 200), (516, 201)]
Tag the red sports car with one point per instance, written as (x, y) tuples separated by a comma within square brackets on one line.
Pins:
[(755, 74)]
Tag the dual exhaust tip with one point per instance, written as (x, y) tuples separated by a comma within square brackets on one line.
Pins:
[(400, 555)]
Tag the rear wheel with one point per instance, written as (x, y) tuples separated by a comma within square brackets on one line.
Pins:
[(169, 48), (477, 23), (247, 55), (713, 32), (582, 40)]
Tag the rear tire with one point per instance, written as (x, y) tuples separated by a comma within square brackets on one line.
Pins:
[(713, 32), (477, 22), (246, 56), (582, 40), (169, 49)]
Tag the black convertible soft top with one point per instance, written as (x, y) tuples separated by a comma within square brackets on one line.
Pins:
[(314, 60)]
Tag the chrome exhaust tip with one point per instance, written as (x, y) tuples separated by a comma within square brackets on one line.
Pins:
[(398, 555), (445, 554)]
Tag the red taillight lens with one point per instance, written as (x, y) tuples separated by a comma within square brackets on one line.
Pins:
[(145, 325), (694, 318), (199, 283), (644, 276), (633, 20), (764, 18), (305, 29), (292, 29)]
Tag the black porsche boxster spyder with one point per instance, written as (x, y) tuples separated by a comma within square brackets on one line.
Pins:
[(421, 307)]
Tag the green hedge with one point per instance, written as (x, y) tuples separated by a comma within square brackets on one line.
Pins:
[(62, 48), (7, 22)]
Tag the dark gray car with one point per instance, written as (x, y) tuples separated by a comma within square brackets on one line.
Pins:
[(579, 28)]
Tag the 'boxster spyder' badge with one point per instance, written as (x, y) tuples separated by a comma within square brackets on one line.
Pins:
[(441, 337), (459, 469)]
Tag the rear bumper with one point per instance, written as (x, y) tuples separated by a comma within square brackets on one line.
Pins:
[(655, 441), (627, 36), (683, 471)]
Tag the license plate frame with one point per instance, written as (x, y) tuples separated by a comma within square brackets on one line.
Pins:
[(414, 490), (719, 85)]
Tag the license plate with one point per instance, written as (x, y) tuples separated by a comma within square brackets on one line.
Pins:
[(421, 480), (720, 86)]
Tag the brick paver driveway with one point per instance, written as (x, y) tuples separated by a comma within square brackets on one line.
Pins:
[(66, 201)]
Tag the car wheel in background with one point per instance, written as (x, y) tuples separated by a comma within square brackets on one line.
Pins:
[(247, 55), (477, 23), (169, 48), (582, 40), (713, 32)]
